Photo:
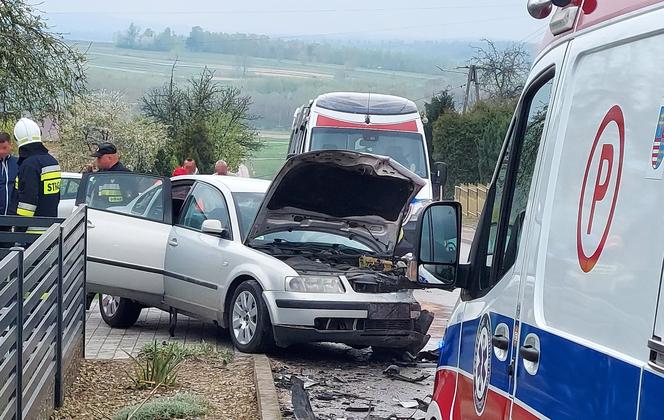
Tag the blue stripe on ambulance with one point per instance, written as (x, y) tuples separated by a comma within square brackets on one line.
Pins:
[(572, 382)]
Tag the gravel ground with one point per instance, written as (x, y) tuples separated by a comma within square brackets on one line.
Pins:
[(102, 388)]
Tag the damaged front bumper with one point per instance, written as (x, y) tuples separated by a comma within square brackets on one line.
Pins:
[(388, 325)]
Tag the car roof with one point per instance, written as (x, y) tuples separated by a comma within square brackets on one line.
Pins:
[(366, 103), (75, 175), (233, 183)]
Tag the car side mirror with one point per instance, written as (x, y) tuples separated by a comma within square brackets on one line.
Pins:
[(439, 250), (214, 227)]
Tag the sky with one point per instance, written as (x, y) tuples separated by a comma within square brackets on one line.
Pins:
[(293, 19)]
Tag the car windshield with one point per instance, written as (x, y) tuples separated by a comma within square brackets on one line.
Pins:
[(303, 237), (405, 148), (246, 206)]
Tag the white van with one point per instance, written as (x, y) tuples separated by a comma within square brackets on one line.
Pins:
[(370, 123), (560, 313)]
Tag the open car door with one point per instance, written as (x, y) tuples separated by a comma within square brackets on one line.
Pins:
[(129, 220)]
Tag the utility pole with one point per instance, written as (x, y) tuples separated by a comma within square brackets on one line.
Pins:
[(472, 79)]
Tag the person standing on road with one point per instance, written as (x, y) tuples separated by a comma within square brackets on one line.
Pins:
[(38, 179), (8, 173), (113, 191), (221, 168), (107, 158), (188, 168)]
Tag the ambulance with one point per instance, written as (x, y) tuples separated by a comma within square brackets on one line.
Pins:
[(561, 313), (373, 123)]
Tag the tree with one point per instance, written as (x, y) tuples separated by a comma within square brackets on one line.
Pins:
[(105, 116), (502, 72), (129, 38), (470, 143), (39, 72), (440, 104), (206, 121)]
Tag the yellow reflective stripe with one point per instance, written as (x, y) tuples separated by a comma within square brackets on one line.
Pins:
[(24, 212), (35, 231), (51, 175)]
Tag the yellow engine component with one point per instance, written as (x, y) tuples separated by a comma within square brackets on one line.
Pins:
[(375, 263)]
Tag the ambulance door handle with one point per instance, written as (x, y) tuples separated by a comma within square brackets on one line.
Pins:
[(90, 224), (500, 341), (529, 353)]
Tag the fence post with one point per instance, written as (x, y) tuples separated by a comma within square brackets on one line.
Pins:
[(59, 397), (19, 334), (85, 277)]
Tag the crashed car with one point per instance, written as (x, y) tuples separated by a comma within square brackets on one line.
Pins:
[(307, 258)]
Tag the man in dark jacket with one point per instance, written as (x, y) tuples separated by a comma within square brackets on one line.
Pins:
[(107, 158), (114, 191), (38, 180), (8, 172)]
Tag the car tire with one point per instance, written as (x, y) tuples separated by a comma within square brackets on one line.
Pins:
[(119, 312), (249, 322)]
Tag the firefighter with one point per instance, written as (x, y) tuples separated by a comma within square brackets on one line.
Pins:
[(38, 180)]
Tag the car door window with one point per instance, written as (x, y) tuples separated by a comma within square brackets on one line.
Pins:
[(205, 203), (69, 188), (127, 193), (513, 181)]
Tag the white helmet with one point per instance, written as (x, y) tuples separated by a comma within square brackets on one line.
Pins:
[(27, 131)]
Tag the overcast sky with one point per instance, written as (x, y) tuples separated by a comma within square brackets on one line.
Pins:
[(348, 19)]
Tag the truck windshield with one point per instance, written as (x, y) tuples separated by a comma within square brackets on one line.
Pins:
[(405, 148)]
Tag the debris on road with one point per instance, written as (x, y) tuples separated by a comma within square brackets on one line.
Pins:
[(394, 372), (360, 408), (345, 383), (301, 404)]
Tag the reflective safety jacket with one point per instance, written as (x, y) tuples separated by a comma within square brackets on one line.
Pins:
[(37, 183)]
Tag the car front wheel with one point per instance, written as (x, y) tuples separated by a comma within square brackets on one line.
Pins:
[(250, 326), (118, 312)]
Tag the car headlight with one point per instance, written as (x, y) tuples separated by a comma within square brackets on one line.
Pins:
[(415, 208), (315, 284)]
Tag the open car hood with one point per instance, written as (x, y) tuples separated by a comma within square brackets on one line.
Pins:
[(356, 195)]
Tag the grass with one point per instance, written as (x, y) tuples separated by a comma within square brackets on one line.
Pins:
[(179, 406), (266, 162), (198, 351)]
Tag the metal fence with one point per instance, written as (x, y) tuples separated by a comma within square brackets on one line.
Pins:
[(471, 197), (42, 317)]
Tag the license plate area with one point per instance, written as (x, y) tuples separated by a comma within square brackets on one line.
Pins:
[(389, 311)]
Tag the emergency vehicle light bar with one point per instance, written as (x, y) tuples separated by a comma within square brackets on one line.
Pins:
[(541, 9)]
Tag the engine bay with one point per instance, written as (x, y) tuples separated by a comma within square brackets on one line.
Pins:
[(365, 273)]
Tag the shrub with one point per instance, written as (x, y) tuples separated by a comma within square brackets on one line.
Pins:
[(179, 406), (158, 366)]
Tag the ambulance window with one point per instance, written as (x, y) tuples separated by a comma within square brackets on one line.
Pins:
[(513, 181), (530, 143)]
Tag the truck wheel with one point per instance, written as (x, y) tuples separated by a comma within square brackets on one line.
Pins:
[(249, 320), (118, 312)]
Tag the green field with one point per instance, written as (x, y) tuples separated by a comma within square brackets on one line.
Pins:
[(277, 87), (265, 163)]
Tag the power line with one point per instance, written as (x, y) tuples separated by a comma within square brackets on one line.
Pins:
[(270, 12), (367, 31)]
